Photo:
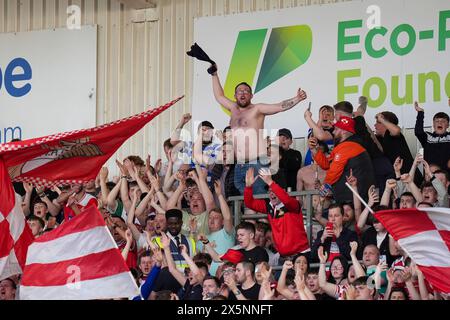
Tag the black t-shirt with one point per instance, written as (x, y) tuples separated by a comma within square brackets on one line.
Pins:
[(166, 281), (255, 255), (190, 292), (291, 162), (251, 293)]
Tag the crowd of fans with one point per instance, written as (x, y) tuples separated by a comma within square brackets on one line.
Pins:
[(175, 229)]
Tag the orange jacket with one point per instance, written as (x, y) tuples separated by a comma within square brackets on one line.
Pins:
[(337, 160)]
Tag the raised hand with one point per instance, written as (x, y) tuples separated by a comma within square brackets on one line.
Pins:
[(123, 170), (322, 255), (418, 108), (352, 180), (398, 164), (218, 188), (128, 236), (185, 119), (301, 94), (103, 173), (165, 241), (288, 265), (300, 281), (308, 114), (406, 178), (373, 196), (183, 249), (391, 184), (158, 166), (192, 225), (28, 187), (250, 177), (265, 175), (353, 248), (313, 142)]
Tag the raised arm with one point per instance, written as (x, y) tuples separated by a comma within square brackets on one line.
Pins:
[(269, 109), (318, 132), (172, 202), (281, 287), (175, 138), (219, 94), (418, 128), (203, 187), (353, 182), (373, 197), (207, 245), (195, 270), (179, 276), (226, 213), (53, 208), (359, 271), (328, 288), (130, 217), (27, 199), (393, 129), (103, 175), (126, 249)]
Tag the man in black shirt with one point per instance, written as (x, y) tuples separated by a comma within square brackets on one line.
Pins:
[(394, 144), (291, 160), (243, 286), (245, 234)]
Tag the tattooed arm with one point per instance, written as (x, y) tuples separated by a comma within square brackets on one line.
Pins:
[(269, 109)]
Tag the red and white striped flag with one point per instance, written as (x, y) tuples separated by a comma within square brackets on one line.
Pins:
[(71, 157), (15, 234), (424, 234), (77, 261)]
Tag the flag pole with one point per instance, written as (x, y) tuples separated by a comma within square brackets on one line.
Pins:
[(359, 197)]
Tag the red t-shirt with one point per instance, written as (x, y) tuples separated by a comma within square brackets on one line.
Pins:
[(87, 201)]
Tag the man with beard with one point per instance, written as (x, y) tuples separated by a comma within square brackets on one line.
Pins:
[(247, 124), (347, 155)]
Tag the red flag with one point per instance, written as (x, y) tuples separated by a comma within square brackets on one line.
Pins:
[(424, 234), (15, 234), (78, 260), (61, 158)]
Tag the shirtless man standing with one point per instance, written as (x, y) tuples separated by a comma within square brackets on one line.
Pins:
[(247, 124)]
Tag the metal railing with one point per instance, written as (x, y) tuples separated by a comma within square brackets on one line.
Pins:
[(306, 210)]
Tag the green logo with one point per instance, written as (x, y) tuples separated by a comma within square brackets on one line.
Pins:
[(287, 49)]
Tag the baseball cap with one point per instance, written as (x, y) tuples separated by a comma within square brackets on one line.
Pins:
[(285, 132), (346, 123)]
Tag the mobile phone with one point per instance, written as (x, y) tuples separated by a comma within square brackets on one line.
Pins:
[(329, 226), (309, 106), (382, 258)]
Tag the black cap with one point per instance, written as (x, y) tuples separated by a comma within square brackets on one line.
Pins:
[(285, 132)]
